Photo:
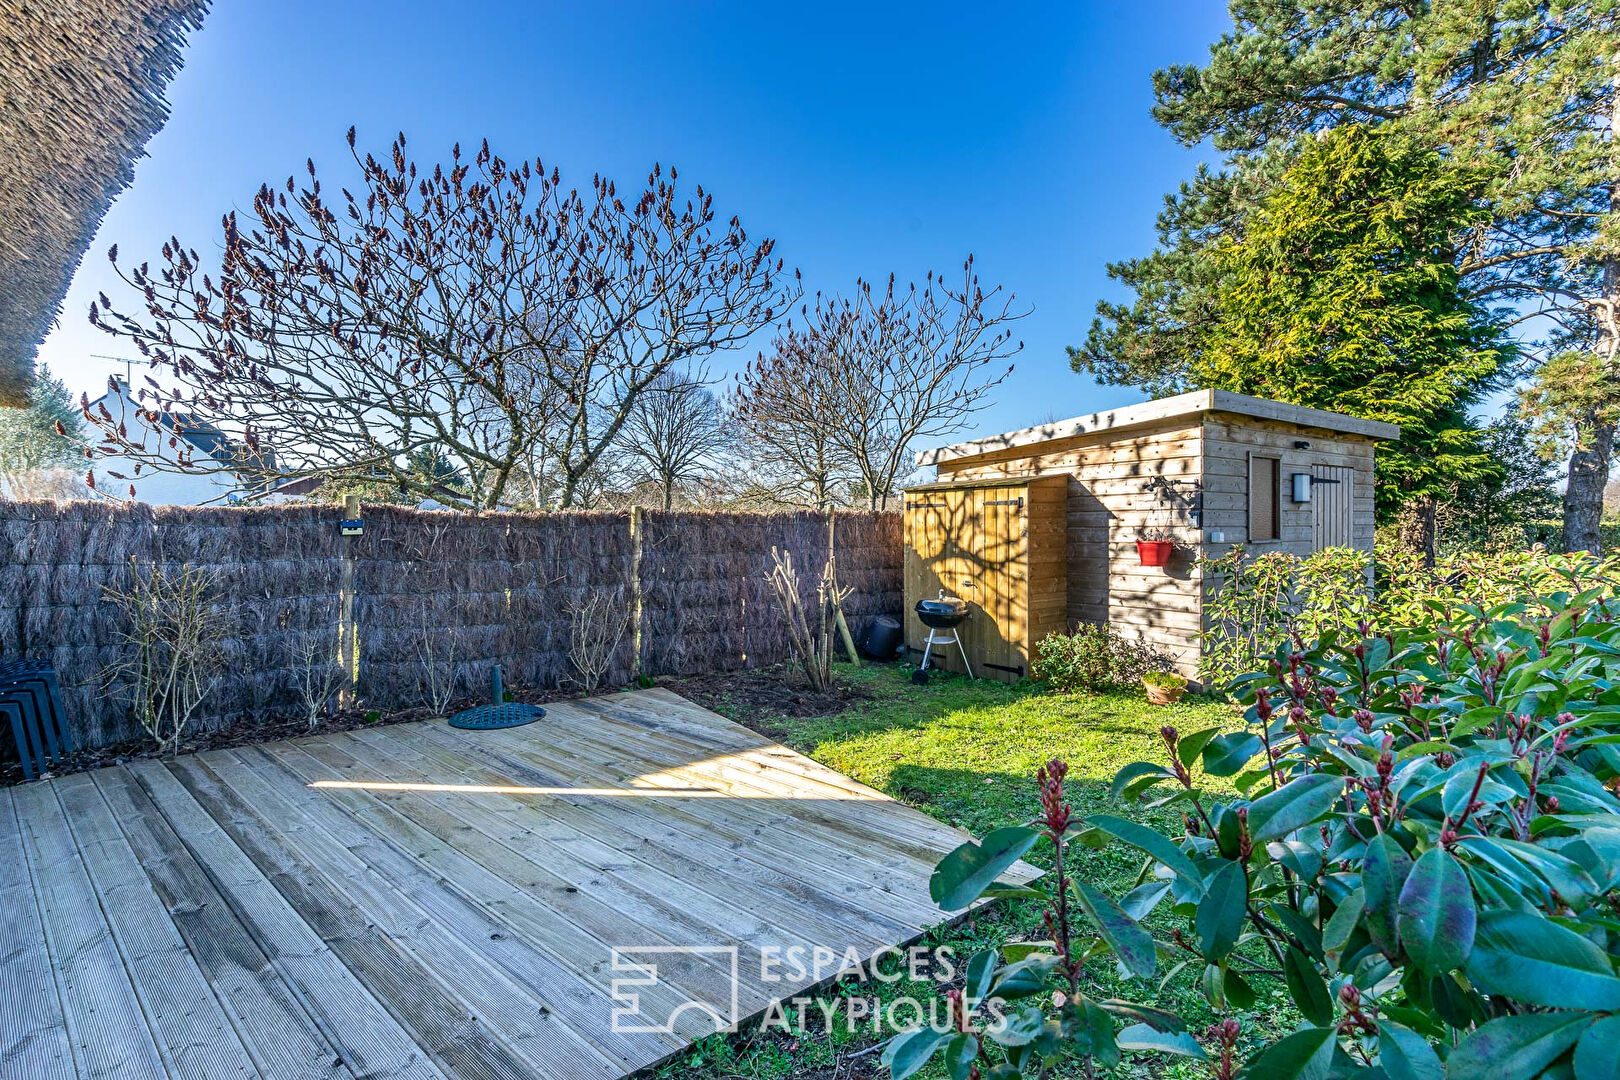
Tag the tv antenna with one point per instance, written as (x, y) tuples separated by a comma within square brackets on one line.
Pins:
[(129, 366)]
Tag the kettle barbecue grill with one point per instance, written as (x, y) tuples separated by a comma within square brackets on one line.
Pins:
[(942, 616)]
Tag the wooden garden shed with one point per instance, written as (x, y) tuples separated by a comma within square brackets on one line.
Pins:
[(1050, 516)]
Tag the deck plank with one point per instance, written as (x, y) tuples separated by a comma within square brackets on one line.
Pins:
[(441, 1025), (382, 886), (834, 897), (660, 903), (853, 816), (33, 1030), (104, 1017), (415, 902), (764, 828), (622, 842), (372, 1043), (195, 1038), (580, 936), (268, 1014)]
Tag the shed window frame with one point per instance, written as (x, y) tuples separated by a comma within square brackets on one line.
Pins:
[(1265, 522)]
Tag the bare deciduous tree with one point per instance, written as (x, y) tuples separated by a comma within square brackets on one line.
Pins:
[(172, 639), (864, 378), (674, 433), (481, 308), (438, 658), (810, 632), (319, 674), (597, 624), (783, 407), (908, 365)]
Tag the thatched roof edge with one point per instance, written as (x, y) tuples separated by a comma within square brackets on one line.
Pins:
[(83, 83)]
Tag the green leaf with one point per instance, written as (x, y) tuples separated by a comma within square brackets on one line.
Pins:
[(1461, 785), (1406, 1055), (981, 968), (1140, 901), (1515, 1047), (1015, 951), (1221, 912), (1236, 989), (1138, 771), (1597, 1055), (1020, 1029), (1307, 987), (1564, 875), (1226, 755), (1304, 1055), (1383, 873), (1192, 745), (965, 873), (1533, 960), (1336, 934), (1100, 1034), (1293, 806), (1435, 914), (1143, 1037), (1300, 927), (909, 1051), (960, 1053), (1151, 841), (1157, 1019), (1132, 944), (1024, 978)]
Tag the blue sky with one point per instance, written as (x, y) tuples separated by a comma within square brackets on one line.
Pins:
[(866, 138)]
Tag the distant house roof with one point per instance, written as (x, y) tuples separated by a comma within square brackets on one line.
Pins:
[(1152, 412), (82, 82), (120, 403)]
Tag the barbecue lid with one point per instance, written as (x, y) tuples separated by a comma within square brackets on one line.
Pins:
[(943, 605)]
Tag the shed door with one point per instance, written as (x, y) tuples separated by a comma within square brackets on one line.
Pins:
[(1333, 506), (971, 543)]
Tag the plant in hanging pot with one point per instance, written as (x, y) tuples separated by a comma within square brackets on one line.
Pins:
[(1155, 546), (1164, 687)]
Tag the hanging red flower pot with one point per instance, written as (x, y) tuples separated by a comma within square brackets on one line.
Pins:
[(1154, 552)]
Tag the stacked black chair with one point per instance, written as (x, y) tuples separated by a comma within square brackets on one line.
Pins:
[(31, 700)]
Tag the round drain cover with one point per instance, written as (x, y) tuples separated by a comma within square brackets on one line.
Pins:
[(489, 717)]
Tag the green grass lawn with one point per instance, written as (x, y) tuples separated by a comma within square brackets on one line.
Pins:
[(966, 752)]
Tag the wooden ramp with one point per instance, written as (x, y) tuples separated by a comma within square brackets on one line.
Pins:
[(416, 901)]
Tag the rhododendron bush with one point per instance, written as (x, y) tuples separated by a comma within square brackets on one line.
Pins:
[(1414, 830)]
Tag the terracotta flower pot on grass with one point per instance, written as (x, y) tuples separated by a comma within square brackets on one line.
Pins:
[(1163, 687)]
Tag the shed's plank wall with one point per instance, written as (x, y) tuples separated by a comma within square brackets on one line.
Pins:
[(1110, 498), (1229, 441)]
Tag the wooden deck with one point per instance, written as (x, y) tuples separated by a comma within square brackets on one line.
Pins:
[(416, 901)]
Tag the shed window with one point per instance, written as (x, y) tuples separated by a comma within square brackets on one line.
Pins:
[(1265, 480)]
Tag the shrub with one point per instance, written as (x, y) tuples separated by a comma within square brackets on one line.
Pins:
[(1422, 844), (1259, 604), (1094, 657), (172, 653)]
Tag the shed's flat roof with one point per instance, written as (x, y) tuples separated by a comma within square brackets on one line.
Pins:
[(1151, 412)]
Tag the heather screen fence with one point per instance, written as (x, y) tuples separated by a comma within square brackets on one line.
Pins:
[(435, 598)]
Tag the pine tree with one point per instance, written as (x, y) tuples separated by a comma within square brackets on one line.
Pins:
[(1521, 94), (48, 434), (1340, 293)]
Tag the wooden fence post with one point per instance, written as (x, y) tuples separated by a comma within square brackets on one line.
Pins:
[(832, 574), (348, 633), (635, 591)]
